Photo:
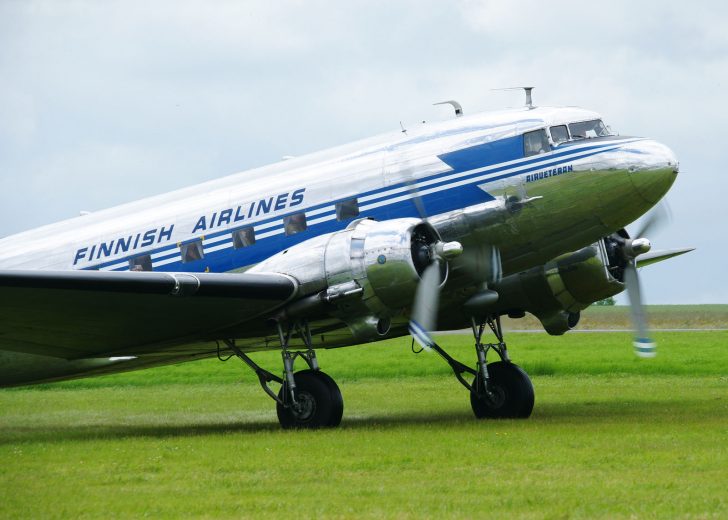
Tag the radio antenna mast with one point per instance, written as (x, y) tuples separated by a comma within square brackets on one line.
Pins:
[(458, 108), (529, 98)]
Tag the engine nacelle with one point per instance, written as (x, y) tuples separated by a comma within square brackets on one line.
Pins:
[(364, 274), (557, 291), (558, 322)]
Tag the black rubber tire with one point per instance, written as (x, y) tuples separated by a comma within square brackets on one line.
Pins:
[(512, 389), (337, 400), (321, 396)]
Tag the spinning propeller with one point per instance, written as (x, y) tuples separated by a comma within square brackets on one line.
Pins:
[(423, 318), (630, 249), (427, 296), (483, 263)]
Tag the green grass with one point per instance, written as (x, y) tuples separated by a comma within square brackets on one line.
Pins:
[(611, 436), (697, 353), (659, 317)]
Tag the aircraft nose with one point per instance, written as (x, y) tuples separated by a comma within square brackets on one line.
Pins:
[(653, 168)]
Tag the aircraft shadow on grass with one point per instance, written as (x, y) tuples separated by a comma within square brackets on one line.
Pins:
[(587, 413)]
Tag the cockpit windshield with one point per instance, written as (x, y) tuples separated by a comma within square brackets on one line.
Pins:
[(588, 129)]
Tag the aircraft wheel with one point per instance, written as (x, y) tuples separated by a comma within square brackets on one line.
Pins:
[(511, 393), (319, 399), (336, 398)]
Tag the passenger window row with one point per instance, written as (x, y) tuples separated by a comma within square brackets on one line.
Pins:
[(245, 237)]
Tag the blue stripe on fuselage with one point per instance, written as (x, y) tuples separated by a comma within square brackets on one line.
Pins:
[(478, 157), (486, 154)]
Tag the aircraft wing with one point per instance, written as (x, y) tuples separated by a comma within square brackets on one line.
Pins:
[(81, 314)]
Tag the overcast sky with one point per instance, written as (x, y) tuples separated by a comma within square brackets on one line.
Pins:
[(106, 102)]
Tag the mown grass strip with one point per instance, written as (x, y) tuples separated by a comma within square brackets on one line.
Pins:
[(610, 437), (596, 447), (687, 353)]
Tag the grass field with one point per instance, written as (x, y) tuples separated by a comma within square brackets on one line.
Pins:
[(659, 316), (611, 436)]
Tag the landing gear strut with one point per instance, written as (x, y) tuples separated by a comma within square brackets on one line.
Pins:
[(499, 390), (307, 398)]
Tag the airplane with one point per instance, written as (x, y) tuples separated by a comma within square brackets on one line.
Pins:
[(439, 226)]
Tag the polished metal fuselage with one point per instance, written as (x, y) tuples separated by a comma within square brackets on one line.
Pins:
[(531, 208)]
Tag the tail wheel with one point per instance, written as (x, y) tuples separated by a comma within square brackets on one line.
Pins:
[(509, 395), (319, 400)]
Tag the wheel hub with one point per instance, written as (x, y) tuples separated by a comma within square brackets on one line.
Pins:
[(495, 395), (305, 406)]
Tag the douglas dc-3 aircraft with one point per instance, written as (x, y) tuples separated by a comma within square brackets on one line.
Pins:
[(444, 225)]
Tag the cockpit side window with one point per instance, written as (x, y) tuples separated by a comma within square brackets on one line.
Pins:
[(588, 129), (535, 143), (559, 134)]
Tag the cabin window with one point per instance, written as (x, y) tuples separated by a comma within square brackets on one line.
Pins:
[(588, 129), (192, 251), (559, 134), (535, 143), (243, 237), (347, 209), (140, 263), (294, 223)]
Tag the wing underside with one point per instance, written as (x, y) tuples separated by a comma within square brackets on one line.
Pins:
[(90, 314)]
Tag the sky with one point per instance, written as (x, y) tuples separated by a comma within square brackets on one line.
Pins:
[(103, 103)]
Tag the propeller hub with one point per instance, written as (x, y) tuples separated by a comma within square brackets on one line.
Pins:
[(448, 250), (636, 247), (421, 256)]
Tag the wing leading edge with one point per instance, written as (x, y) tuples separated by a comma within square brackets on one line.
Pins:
[(82, 314)]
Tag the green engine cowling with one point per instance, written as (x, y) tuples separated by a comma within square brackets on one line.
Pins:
[(558, 291)]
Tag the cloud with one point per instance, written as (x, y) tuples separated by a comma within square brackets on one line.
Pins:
[(106, 102)]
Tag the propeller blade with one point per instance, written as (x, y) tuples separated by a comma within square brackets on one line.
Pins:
[(482, 263), (424, 310), (417, 199), (658, 256), (644, 346), (659, 215)]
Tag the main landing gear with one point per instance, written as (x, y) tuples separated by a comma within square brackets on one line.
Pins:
[(311, 399), (307, 398), (500, 389)]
